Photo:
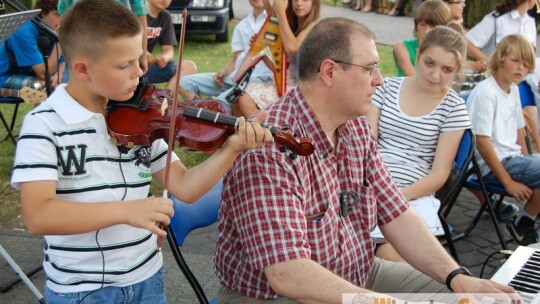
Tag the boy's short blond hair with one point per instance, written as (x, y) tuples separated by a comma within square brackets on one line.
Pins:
[(516, 45), (89, 25), (432, 13)]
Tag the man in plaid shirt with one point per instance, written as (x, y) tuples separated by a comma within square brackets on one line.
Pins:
[(298, 229)]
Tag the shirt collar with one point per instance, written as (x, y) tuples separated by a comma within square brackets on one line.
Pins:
[(67, 107), (254, 21), (312, 126), (515, 15)]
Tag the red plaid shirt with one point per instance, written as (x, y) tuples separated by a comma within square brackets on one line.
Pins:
[(268, 197)]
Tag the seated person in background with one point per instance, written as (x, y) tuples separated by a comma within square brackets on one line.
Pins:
[(456, 11), (221, 83), (21, 61), (429, 14), (509, 17), (160, 29), (285, 234), (296, 18), (497, 120), (419, 120)]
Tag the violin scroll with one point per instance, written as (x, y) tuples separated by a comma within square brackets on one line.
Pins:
[(302, 147)]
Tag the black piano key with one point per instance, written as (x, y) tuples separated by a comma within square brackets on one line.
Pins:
[(527, 279), (521, 288), (531, 266), (524, 284), (530, 274)]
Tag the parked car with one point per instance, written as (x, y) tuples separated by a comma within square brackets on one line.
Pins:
[(204, 17)]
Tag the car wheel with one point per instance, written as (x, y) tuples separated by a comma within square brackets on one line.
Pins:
[(223, 37)]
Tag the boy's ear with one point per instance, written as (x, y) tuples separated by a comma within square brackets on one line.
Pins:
[(79, 69)]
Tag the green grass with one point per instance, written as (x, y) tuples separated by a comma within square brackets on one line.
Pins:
[(209, 57)]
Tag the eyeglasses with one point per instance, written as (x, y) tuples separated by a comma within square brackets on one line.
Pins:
[(370, 68)]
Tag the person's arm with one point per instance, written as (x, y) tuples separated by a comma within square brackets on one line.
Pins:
[(291, 43), (403, 59), (514, 188), (424, 252), (45, 214), (447, 146), (475, 53), (226, 70), (190, 184), (521, 140), (305, 281), (476, 66), (143, 63), (167, 55), (39, 69)]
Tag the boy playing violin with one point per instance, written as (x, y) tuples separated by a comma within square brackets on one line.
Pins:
[(86, 196)]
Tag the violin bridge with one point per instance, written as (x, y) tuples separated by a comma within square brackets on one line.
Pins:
[(164, 106)]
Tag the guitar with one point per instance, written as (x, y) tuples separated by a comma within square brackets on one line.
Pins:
[(28, 95), (267, 46)]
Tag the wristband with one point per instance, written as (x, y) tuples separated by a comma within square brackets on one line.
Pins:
[(451, 275)]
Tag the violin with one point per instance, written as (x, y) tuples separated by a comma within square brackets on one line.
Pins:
[(202, 125)]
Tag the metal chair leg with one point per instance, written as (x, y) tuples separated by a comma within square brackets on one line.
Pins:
[(8, 129), (23, 277)]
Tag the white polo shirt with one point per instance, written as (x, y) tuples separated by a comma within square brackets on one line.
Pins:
[(487, 34), (243, 32), (62, 141)]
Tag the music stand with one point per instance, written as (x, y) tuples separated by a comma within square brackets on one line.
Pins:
[(9, 23)]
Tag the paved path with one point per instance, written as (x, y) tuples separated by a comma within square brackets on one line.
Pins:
[(199, 247)]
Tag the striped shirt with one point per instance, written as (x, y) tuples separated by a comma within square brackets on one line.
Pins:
[(62, 141), (408, 144), (268, 199)]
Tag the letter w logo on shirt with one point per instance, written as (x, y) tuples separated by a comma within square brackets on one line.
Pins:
[(70, 159)]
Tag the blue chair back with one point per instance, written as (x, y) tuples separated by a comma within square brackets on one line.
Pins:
[(188, 217), (526, 95), (465, 150), (202, 213), (465, 95)]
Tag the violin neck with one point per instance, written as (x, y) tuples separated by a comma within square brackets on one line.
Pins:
[(211, 116)]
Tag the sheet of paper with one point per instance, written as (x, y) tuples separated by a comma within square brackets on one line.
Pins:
[(427, 207)]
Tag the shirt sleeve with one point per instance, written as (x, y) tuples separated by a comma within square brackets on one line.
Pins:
[(481, 108), (482, 32), (35, 157), (24, 47), (238, 38), (457, 117)]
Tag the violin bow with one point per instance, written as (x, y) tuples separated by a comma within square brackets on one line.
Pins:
[(173, 118)]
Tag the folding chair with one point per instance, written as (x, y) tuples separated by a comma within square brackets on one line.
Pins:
[(9, 127), (462, 161), (188, 217), (465, 165), (16, 97)]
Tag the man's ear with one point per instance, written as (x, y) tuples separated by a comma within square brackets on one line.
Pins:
[(327, 72), (79, 69)]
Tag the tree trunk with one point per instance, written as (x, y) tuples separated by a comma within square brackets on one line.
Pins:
[(476, 10)]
